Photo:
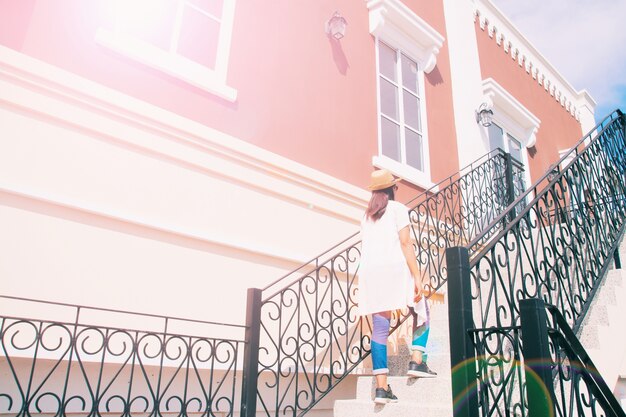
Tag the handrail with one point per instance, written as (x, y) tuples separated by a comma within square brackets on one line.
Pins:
[(426, 192), (74, 366), (110, 310), (413, 212), (310, 327), (582, 362), (547, 176), (556, 248)]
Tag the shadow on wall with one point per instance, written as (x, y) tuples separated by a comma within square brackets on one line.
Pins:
[(434, 77), (341, 61)]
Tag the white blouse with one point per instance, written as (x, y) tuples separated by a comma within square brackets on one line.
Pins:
[(385, 281)]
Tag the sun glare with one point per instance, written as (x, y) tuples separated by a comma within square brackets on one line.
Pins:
[(135, 14)]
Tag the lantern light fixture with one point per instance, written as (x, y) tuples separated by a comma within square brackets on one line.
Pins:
[(484, 115), (336, 26)]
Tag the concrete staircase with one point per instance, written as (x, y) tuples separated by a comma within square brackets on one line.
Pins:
[(603, 333), (423, 397)]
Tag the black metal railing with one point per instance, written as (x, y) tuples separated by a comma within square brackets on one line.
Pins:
[(557, 248), (309, 333), (462, 210), (578, 387), (75, 364)]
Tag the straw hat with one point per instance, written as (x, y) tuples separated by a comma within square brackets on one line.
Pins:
[(381, 179)]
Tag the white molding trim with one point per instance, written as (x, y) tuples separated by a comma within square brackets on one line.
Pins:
[(502, 101), (514, 43), (35, 86), (393, 22), (107, 214), (567, 160)]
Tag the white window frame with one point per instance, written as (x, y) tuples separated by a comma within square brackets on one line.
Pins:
[(212, 80), (395, 24), (401, 168)]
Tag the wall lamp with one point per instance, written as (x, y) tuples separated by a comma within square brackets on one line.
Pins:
[(336, 26), (484, 115)]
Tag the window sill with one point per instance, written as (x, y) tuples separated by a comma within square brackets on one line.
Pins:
[(405, 172), (172, 64)]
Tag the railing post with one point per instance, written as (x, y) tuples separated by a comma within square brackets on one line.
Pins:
[(510, 186), (462, 352), (624, 125), (537, 360), (251, 353)]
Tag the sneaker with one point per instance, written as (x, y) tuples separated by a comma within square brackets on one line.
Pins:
[(420, 370), (384, 396)]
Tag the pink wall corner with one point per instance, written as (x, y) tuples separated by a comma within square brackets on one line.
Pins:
[(558, 130)]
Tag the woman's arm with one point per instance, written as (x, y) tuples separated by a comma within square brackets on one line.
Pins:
[(409, 255)]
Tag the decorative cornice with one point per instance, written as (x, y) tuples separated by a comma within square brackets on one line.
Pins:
[(499, 28), (393, 22), (500, 99)]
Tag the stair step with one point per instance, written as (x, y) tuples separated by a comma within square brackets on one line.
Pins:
[(361, 408), (419, 390), (590, 336), (399, 364), (437, 361), (614, 279)]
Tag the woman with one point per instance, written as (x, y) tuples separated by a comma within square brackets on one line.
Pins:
[(389, 279)]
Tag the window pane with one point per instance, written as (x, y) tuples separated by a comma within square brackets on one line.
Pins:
[(213, 7), (409, 74), (495, 137), (154, 26), (387, 61), (515, 148), (414, 151), (390, 138), (411, 110), (199, 35), (388, 99)]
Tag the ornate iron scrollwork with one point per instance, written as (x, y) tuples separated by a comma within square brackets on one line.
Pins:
[(556, 248), (311, 334), (58, 368)]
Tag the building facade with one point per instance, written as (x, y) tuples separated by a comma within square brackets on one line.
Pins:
[(225, 142), (163, 156)]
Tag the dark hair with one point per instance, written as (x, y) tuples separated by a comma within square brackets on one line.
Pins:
[(378, 203)]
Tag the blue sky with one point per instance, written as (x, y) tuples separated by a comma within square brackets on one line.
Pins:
[(584, 39)]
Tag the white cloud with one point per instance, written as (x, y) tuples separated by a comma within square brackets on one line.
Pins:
[(584, 39)]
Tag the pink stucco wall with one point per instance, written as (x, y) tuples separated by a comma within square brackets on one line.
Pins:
[(559, 130), (300, 94)]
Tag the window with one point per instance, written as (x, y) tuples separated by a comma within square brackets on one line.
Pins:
[(515, 147), (402, 138), (188, 39), (498, 138), (406, 48)]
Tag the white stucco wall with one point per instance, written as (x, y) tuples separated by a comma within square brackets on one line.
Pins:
[(108, 201)]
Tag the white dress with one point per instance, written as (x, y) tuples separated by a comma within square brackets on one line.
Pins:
[(385, 281)]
